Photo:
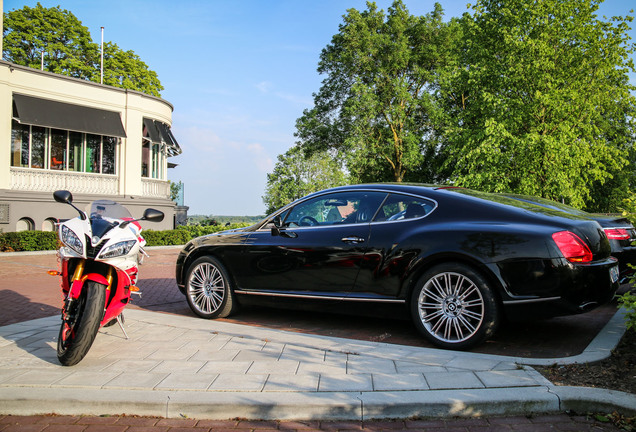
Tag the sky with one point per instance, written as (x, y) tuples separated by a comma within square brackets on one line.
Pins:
[(238, 73)]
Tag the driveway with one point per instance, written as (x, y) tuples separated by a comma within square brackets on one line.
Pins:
[(28, 292)]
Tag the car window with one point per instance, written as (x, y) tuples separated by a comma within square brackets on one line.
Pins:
[(401, 207), (336, 208)]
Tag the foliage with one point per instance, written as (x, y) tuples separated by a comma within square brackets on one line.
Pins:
[(374, 108), (124, 69), (540, 102), (222, 220), (166, 237), (47, 240), (628, 301), (28, 241), (69, 50), (183, 234), (176, 190), (295, 176)]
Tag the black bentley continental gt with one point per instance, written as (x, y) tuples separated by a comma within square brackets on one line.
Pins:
[(458, 259)]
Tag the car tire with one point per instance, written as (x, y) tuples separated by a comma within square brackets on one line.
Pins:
[(454, 307), (208, 289)]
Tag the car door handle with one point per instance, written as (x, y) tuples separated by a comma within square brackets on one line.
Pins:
[(354, 240)]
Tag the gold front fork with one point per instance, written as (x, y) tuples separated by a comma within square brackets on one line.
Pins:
[(79, 270)]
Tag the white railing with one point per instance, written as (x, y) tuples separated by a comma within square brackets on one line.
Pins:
[(48, 181), (155, 188)]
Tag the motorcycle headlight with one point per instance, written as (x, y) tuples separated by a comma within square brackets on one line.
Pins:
[(118, 249), (70, 239)]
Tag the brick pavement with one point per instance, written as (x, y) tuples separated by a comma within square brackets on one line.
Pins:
[(27, 292), (556, 423)]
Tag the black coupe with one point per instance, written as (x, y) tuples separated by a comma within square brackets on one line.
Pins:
[(457, 258)]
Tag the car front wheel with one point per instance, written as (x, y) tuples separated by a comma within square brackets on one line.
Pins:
[(208, 289), (454, 307)]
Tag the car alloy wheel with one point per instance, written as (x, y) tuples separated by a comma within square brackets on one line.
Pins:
[(208, 289), (453, 306)]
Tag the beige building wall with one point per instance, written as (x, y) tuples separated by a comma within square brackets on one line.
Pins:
[(129, 187)]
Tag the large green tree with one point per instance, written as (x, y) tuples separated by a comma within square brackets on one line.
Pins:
[(540, 102), (296, 175), (374, 108), (69, 50)]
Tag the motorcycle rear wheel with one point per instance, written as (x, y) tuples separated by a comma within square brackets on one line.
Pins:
[(79, 329)]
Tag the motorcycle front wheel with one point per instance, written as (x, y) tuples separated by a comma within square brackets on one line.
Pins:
[(80, 324)]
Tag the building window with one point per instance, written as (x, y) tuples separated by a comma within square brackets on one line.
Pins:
[(109, 154), (49, 224), (153, 157), (75, 151), (25, 224), (19, 144), (59, 140), (61, 150), (38, 146)]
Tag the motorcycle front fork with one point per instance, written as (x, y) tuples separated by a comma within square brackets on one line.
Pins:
[(78, 275)]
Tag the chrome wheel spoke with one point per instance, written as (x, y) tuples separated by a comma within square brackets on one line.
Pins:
[(451, 307), (206, 288)]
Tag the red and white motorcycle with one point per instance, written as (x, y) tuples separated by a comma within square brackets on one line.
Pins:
[(100, 256)]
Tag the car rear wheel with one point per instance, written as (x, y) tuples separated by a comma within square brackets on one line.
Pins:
[(208, 289), (454, 307)]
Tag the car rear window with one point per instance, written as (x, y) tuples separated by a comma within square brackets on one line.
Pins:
[(402, 207)]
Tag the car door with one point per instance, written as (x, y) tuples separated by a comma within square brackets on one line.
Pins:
[(390, 250), (317, 251)]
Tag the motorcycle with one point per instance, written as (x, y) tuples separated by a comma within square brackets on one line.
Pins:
[(99, 258)]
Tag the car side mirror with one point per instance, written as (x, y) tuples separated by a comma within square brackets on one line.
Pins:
[(278, 225), (279, 228)]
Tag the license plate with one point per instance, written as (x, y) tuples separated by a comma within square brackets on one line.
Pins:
[(614, 274)]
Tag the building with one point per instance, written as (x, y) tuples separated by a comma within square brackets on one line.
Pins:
[(97, 141)]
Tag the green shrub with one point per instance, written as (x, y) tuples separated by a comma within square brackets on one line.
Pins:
[(628, 301), (47, 240), (28, 241), (166, 237), (183, 234)]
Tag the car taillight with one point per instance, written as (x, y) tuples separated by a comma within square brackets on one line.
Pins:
[(572, 247), (617, 234)]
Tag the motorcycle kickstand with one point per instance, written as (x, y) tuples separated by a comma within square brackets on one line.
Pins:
[(121, 325)]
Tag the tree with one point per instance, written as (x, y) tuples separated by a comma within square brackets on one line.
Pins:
[(374, 108), (66, 43), (69, 50), (295, 176), (540, 102), (125, 69)]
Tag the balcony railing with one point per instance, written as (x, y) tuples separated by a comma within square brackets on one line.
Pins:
[(48, 181), (36, 180), (155, 188)]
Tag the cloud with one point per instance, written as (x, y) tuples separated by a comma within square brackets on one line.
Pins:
[(264, 86)]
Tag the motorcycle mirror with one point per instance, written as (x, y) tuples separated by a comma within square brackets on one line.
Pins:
[(63, 196), (153, 215), (150, 214)]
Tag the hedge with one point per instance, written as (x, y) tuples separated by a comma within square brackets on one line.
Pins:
[(28, 241), (47, 240)]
